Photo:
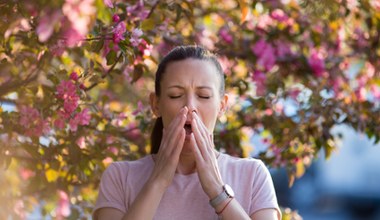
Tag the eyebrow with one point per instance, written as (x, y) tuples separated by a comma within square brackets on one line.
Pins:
[(198, 87)]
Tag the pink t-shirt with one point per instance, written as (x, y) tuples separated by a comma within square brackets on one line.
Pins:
[(185, 199)]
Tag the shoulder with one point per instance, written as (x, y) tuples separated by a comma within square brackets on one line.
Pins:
[(123, 167), (243, 168), (238, 163)]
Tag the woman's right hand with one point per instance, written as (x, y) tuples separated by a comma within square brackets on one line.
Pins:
[(167, 158)]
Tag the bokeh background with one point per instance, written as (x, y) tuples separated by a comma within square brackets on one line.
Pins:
[(302, 76)]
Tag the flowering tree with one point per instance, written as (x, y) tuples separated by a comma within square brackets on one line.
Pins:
[(75, 76)]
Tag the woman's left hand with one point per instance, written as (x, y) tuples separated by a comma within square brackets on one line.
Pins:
[(205, 157)]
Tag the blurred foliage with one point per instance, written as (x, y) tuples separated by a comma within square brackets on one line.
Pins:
[(75, 77)]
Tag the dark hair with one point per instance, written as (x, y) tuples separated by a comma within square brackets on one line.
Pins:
[(177, 54)]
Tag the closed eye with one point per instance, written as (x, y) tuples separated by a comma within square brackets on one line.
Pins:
[(204, 97), (175, 96)]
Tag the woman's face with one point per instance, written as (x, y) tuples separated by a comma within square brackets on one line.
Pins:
[(193, 83)]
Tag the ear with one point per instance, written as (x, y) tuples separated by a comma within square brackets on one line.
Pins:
[(223, 105), (154, 104)]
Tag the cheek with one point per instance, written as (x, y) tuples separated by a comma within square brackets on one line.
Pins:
[(209, 117), (168, 112)]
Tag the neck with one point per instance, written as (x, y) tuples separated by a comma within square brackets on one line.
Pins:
[(186, 164)]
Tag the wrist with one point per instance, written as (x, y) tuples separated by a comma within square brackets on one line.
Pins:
[(215, 191), (157, 184), (225, 195)]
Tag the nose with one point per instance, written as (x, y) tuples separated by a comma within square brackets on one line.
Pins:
[(191, 105)]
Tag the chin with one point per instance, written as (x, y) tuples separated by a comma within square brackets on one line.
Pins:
[(187, 148)]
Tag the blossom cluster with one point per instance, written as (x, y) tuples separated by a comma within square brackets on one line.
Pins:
[(67, 91)]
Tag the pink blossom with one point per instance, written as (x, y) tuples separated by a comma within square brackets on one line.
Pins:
[(27, 115), (26, 173), (79, 15), (293, 93), (63, 206), (375, 4), (361, 94), (115, 18), (135, 37), (133, 133), (59, 123), (128, 70), (279, 15), (21, 24), (107, 160), (58, 48), (119, 119), (205, 38), (268, 111), (113, 150), (259, 78), (140, 108), (279, 107), (316, 63), (118, 34), (282, 49), (225, 35), (82, 86), (74, 76), (264, 21), (82, 118), (337, 84), (108, 3), (361, 37), (46, 25), (375, 90), (265, 53), (226, 64), (65, 89), (19, 209), (70, 103), (63, 115), (138, 11), (81, 142), (72, 37), (145, 48), (73, 124), (32, 122)]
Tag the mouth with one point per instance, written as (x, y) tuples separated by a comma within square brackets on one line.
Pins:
[(188, 128)]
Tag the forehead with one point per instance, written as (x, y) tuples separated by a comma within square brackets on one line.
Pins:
[(192, 71)]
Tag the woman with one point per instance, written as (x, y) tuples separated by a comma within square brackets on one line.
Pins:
[(185, 177)]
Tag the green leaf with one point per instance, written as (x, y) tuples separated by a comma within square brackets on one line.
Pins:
[(179, 13), (111, 57), (148, 24), (96, 46)]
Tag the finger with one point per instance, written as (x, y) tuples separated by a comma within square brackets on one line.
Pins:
[(176, 136), (199, 139), (204, 133), (195, 149), (174, 128), (177, 120), (180, 141)]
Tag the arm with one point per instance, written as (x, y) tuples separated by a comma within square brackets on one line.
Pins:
[(211, 181), (147, 201), (264, 214), (208, 171), (233, 210)]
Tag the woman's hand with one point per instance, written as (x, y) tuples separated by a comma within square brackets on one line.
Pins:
[(205, 157), (167, 158)]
